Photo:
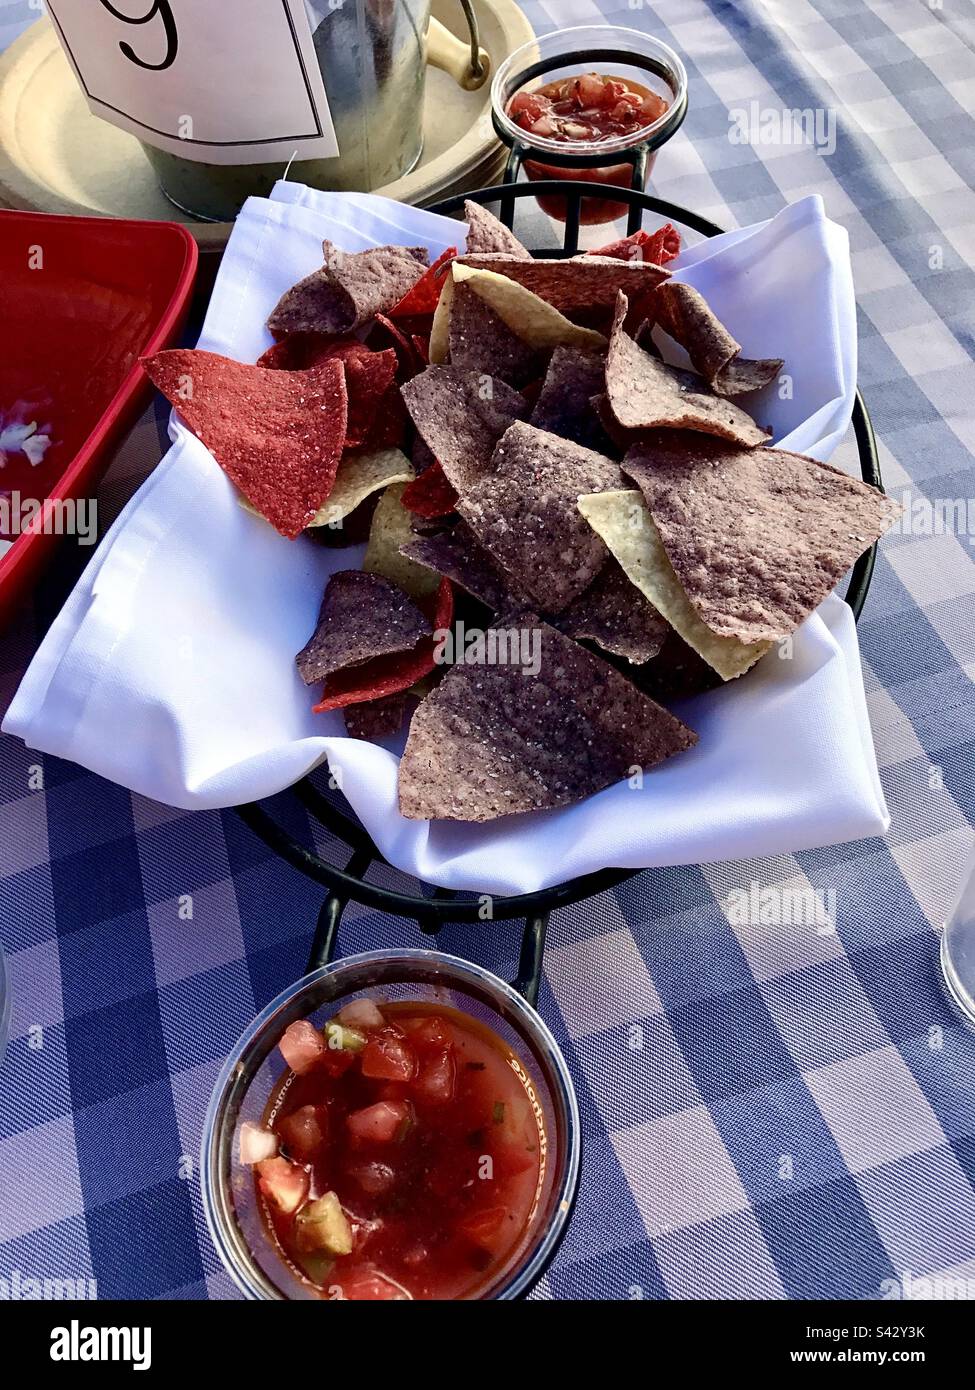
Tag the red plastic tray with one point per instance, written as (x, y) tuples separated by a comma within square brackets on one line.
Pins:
[(82, 300)]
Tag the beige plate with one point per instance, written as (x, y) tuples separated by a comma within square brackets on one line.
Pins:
[(55, 156)]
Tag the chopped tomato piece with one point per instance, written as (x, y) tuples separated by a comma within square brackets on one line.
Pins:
[(437, 1081), (388, 1059), (590, 90), (301, 1046), (485, 1228), (283, 1183), (380, 1123), (304, 1131), (428, 1033)]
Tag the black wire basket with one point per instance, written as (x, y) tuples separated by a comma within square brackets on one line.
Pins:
[(431, 907)]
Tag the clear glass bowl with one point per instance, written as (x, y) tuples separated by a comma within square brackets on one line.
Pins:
[(253, 1072), (611, 51)]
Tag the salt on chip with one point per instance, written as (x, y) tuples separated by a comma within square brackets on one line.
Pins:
[(362, 616), (277, 435), (486, 233), (623, 522), (391, 529), (616, 616), (757, 537), (685, 314), (644, 393), (459, 556), (565, 405), (374, 719), (586, 283), (494, 739), (524, 513), (481, 341), (348, 290), (537, 322), (358, 477), (460, 417)]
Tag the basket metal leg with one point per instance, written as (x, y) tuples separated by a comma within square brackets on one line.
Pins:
[(529, 976), (330, 917)]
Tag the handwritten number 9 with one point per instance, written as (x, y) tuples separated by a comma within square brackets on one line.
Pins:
[(163, 9)]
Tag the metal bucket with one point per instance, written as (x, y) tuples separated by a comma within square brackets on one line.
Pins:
[(373, 56)]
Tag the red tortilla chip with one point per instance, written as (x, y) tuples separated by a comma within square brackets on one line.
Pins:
[(660, 246), (388, 675), (409, 358), (377, 417), (277, 435), (431, 494), (424, 297)]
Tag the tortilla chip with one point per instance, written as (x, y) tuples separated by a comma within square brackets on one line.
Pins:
[(360, 475), (349, 289), (391, 529), (459, 556), (677, 672), (492, 739), (644, 393), (278, 436), (440, 329), (422, 299), (757, 538), (588, 282), (486, 233), (616, 617), (460, 417), (660, 246), (362, 616), (532, 318), (481, 341), (388, 675), (430, 496), (375, 719), (685, 314), (565, 406), (624, 523), (525, 513)]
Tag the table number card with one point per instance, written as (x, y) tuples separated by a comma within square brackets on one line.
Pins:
[(219, 81)]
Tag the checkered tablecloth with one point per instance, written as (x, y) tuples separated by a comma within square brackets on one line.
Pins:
[(769, 1111)]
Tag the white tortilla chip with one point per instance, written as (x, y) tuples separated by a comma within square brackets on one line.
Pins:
[(391, 528), (359, 476), (623, 521)]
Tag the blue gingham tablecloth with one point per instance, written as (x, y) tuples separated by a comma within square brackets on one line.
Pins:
[(769, 1111)]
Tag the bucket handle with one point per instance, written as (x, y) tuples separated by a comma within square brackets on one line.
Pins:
[(468, 64)]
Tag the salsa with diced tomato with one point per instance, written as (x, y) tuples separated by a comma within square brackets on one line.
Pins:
[(593, 109), (403, 1156)]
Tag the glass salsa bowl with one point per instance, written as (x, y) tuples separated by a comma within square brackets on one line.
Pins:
[(643, 63), (252, 1076)]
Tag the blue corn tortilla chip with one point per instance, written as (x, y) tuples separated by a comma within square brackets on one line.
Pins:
[(362, 616), (757, 537), (486, 233), (565, 406), (460, 416), (459, 556), (644, 393), (349, 290), (499, 738), (480, 341), (524, 513), (616, 616), (685, 314)]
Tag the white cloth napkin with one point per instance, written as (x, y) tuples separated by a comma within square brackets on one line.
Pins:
[(170, 669)]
